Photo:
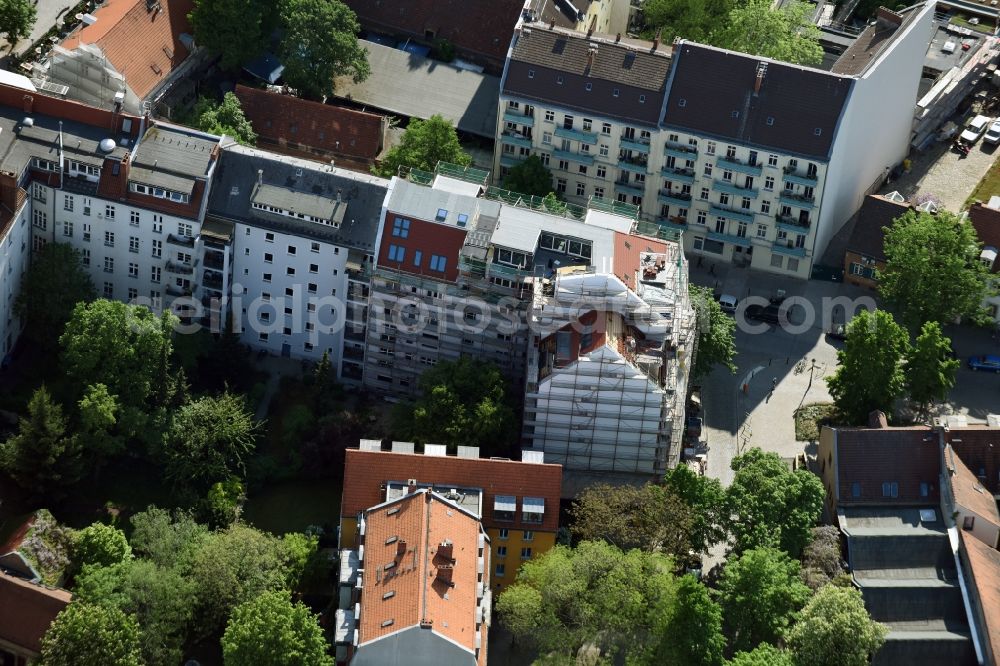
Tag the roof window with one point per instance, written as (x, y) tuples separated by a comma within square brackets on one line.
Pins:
[(736, 114), (770, 120), (616, 92), (818, 131), (682, 102), (559, 80), (642, 99), (441, 216), (463, 219), (531, 73), (589, 87)]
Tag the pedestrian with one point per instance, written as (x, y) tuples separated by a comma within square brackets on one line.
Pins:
[(774, 384)]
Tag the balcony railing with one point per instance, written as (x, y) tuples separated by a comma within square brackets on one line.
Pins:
[(795, 199), (683, 151), (637, 164), (742, 215), (793, 176), (631, 187), (519, 118), (179, 268), (673, 222), (736, 164), (635, 143), (515, 138), (576, 135), (786, 247), (676, 198), (183, 241), (582, 158), (732, 188), (212, 281), (791, 221), (673, 173)]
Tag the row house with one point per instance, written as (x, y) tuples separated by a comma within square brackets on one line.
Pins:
[(757, 162)]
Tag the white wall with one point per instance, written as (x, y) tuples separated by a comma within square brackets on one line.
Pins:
[(874, 131), (982, 528), (15, 251)]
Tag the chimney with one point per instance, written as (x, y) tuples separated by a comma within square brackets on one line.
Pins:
[(593, 25), (877, 419), (761, 71), (260, 176), (400, 547), (338, 195), (590, 59), (444, 573), (446, 550), (8, 191), (656, 40), (411, 486), (552, 24), (618, 38), (29, 103)]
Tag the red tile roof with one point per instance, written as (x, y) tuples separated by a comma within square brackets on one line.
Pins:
[(403, 546), (968, 491), (27, 610), (986, 222), (629, 250), (870, 457), (143, 46), (481, 27), (984, 567), (365, 472), (332, 129)]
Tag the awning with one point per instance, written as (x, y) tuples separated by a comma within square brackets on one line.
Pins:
[(534, 505), (505, 503), (989, 254)]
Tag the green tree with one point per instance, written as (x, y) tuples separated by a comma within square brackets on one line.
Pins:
[(591, 595), (17, 17), (552, 204), (716, 333), (209, 440), (98, 418), (169, 540), (320, 43), (769, 505), (869, 373), (761, 591), (225, 117), (692, 632), (930, 370), (758, 28), (235, 30), (234, 566), (706, 501), (650, 517), (91, 635), (52, 286), (302, 551), (161, 599), (100, 544), (224, 502), (688, 19), (762, 655), (42, 454), (529, 177), (933, 271), (424, 144), (821, 559), (272, 630), (834, 629), (463, 402)]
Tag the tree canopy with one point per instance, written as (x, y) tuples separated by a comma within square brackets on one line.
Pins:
[(689, 19), (101, 545), (167, 539), (761, 591), (91, 635), (650, 517), (424, 144), (933, 271), (869, 373), (270, 629), (784, 33), (235, 30), (930, 370), (529, 177), (716, 333), (834, 629), (52, 286), (43, 454), (692, 632), (771, 506), (320, 43), (17, 18), (705, 500), (225, 117), (763, 655)]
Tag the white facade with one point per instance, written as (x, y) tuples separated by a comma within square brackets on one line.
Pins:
[(15, 252)]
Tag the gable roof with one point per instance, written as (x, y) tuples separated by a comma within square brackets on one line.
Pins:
[(333, 129), (968, 491), (984, 567), (794, 109), (405, 542), (27, 610), (979, 448), (870, 457), (143, 45), (365, 472), (876, 212), (873, 41)]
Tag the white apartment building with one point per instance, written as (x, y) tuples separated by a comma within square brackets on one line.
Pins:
[(757, 162), (301, 236), (15, 253)]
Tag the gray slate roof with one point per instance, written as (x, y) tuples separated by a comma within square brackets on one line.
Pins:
[(19, 144), (236, 176), (172, 157), (796, 111), (413, 647)]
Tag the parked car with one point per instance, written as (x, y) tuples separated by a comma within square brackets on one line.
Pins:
[(694, 427), (975, 129), (992, 135), (728, 303), (837, 332), (767, 314), (987, 363)]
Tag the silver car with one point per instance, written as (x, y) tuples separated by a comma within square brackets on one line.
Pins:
[(992, 135)]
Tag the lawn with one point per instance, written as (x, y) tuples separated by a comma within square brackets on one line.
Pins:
[(961, 21), (809, 419), (291, 506), (987, 187)]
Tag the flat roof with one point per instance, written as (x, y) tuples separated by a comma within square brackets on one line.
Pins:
[(172, 157), (519, 229), (288, 199), (410, 85)]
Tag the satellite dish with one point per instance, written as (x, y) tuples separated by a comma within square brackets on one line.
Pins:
[(107, 145)]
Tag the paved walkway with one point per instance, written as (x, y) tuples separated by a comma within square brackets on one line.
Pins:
[(945, 174)]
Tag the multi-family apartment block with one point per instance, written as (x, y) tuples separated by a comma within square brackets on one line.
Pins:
[(758, 162)]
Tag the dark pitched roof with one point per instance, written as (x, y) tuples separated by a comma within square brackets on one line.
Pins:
[(541, 57), (27, 610), (986, 222), (979, 448), (870, 457), (870, 44), (876, 212), (796, 110), (329, 128)]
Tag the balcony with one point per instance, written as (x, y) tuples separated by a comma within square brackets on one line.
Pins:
[(519, 118), (792, 176), (577, 135), (354, 353), (731, 213), (515, 139), (674, 198), (214, 260), (785, 247), (182, 241), (509, 160), (638, 189), (179, 268), (732, 188), (791, 223), (680, 150), (212, 280), (675, 222), (569, 155), (635, 164), (736, 164), (632, 143), (174, 290), (790, 198), (733, 239), (681, 175)]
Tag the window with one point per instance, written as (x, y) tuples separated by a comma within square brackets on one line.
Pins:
[(727, 175), (769, 183), (109, 264), (438, 263), (709, 147), (642, 99), (567, 121), (582, 169), (109, 238), (38, 192), (730, 152), (289, 271), (401, 228), (504, 533), (968, 522), (85, 254), (890, 489), (528, 536), (761, 231), (581, 189), (40, 219), (550, 116), (765, 206), (109, 212), (855, 490), (501, 570), (314, 247), (133, 243), (606, 129), (501, 551), (504, 507), (133, 270), (559, 80), (109, 290), (133, 293), (397, 253), (312, 288), (292, 249), (133, 218), (314, 268), (67, 228), (532, 509), (704, 194), (158, 248), (708, 169), (603, 150), (745, 203), (155, 274), (531, 73), (561, 185), (599, 192), (526, 553), (68, 203), (267, 277), (720, 225), (702, 217), (924, 490), (463, 219), (741, 229), (777, 261)]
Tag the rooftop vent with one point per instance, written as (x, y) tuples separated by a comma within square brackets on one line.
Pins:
[(107, 145), (28, 122)]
